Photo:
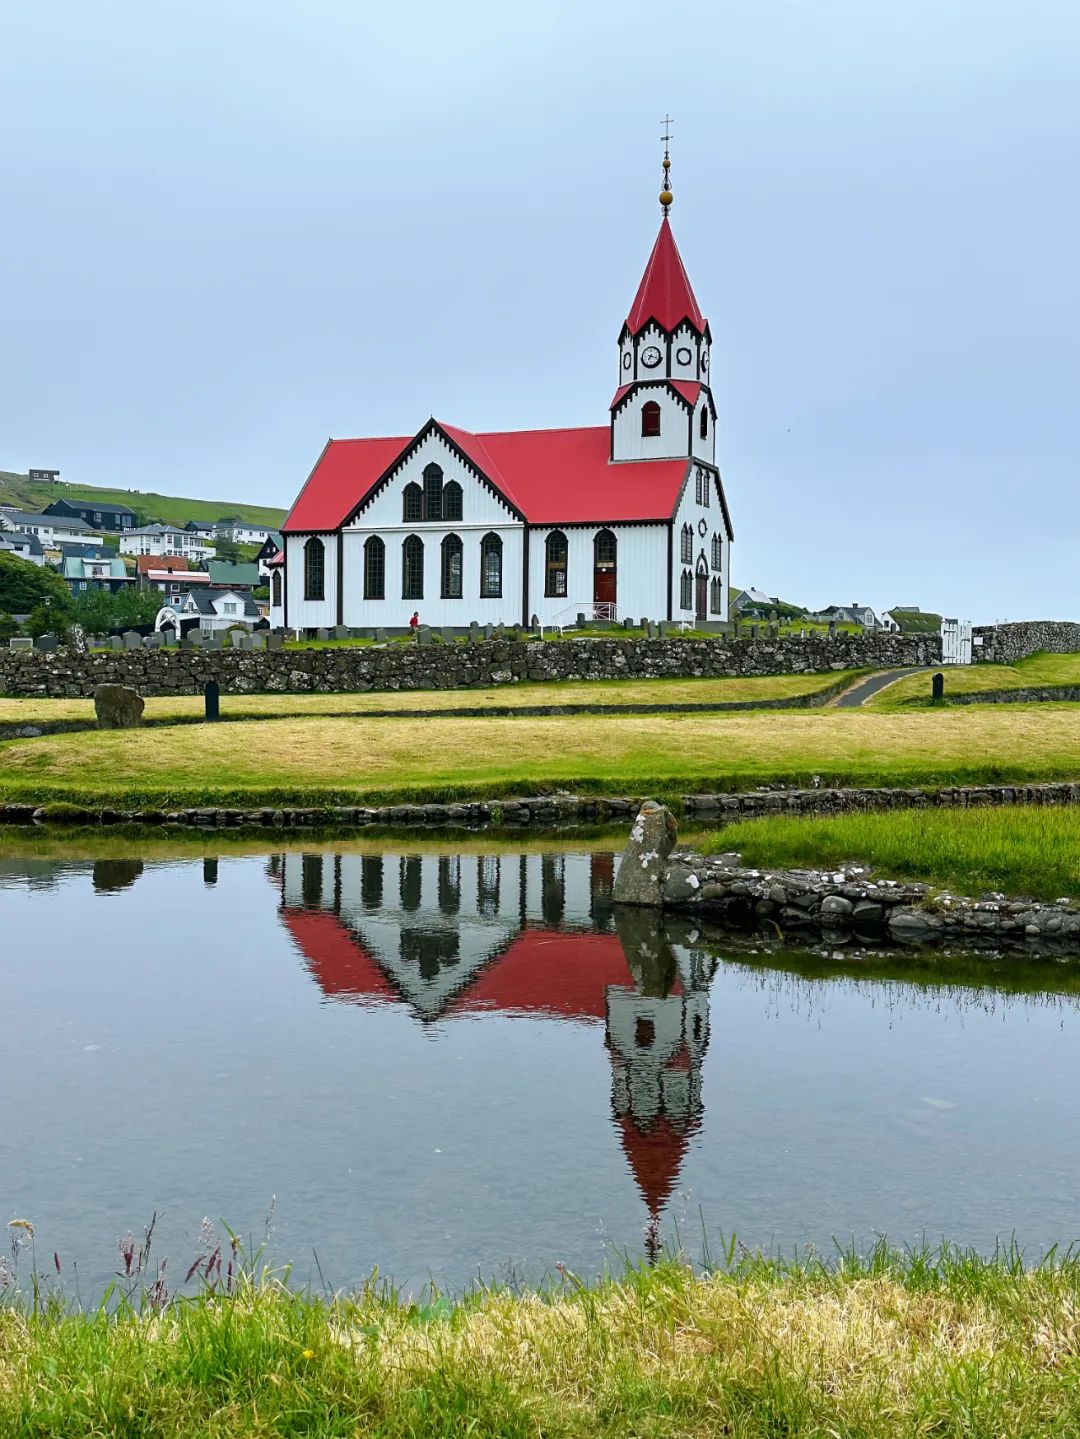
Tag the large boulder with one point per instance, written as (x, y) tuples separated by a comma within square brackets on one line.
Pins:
[(644, 860), (118, 707)]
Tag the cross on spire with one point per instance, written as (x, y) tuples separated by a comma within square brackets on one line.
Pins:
[(666, 196)]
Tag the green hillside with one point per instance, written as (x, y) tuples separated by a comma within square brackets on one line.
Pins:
[(34, 495)]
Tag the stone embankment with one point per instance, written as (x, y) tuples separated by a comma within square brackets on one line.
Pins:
[(64, 673), (842, 903), (1005, 644), (753, 804)]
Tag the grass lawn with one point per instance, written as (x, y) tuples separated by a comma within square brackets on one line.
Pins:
[(888, 1348), (1021, 851), (555, 692), (328, 760), (1034, 672)]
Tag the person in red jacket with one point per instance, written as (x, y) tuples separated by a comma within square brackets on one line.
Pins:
[(414, 623)]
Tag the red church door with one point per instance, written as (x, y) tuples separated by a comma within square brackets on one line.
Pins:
[(605, 572)]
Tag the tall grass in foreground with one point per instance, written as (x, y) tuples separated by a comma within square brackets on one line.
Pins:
[(1022, 850), (943, 1344)]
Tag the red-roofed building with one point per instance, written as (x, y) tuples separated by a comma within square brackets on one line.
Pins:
[(623, 519)]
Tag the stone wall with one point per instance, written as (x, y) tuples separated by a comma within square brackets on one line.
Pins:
[(1005, 644), (64, 673), (753, 804)]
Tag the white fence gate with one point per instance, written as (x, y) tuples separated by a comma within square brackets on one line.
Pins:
[(956, 642)]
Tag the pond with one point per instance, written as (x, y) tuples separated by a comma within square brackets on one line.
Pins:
[(454, 1065)]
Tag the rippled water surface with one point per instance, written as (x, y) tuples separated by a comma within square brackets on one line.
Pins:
[(457, 1065)]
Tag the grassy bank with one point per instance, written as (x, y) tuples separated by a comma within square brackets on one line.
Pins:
[(334, 761), (889, 1347), (1033, 672), (1020, 851), (510, 696)]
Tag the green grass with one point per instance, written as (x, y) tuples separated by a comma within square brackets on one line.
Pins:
[(554, 692), (1036, 672), (1019, 850), (34, 495), (323, 760), (889, 1347)]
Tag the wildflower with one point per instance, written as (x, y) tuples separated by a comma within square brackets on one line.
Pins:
[(22, 1224), (308, 1354)]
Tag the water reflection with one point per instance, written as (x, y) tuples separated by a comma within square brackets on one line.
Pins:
[(518, 936)]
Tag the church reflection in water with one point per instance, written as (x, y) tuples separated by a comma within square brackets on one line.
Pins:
[(525, 935)]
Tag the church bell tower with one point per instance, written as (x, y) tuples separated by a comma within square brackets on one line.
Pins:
[(663, 408)]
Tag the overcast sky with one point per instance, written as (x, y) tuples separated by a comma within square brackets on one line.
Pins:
[(235, 227)]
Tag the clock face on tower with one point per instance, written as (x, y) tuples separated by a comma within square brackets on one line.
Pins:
[(704, 359), (650, 356)]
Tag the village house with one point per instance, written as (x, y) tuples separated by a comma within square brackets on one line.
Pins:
[(848, 615), (166, 540), (50, 530), (623, 519), (239, 531), (215, 611), (96, 514), (109, 574), (169, 574), (271, 546), (22, 546), (242, 576)]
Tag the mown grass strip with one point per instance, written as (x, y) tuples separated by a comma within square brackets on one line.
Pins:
[(1019, 850), (886, 1348), (1034, 672)]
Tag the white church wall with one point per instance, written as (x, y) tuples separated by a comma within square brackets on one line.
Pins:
[(310, 614), (684, 343), (703, 449), (478, 505), (692, 511), (640, 572), (631, 444)]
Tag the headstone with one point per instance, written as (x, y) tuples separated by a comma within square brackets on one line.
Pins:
[(643, 624), (447, 633), (489, 630), (132, 640), (534, 623), (21, 642), (212, 700), (423, 635), (581, 621), (774, 631), (155, 641), (118, 707), (651, 629), (355, 634), (753, 632), (237, 638), (116, 642), (275, 642), (196, 639), (258, 641), (938, 686), (380, 635), (169, 636), (322, 635), (832, 629), (645, 857), (47, 644), (628, 624), (76, 636), (474, 632), (342, 632)]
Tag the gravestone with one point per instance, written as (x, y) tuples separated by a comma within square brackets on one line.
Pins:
[(237, 638), (211, 641), (212, 700), (322, 635), (195, 639), (628, 623), (380, 635), (275, 642), (581, 621), (753, 632), (938, 687), (423, 635), (447, 635), (342, 632), (534, 623), (76, 637), (774, 631), (115, 642), (652, 629), (20, 642), (118, 707), (47, 644), (132, 640), (169, 637), (832, 629), (258, 642), (155, 641), (643, 625), (489, 630), (474, 632), (355, 634)]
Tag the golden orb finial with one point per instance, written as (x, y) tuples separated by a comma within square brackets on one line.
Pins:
[(666, 196)]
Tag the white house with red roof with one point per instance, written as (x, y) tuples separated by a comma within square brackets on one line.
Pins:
[(624, 519)]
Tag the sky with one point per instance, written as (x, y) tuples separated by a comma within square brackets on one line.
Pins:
[(235, 227)]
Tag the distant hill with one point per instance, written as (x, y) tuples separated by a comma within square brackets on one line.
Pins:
[(34, 495)]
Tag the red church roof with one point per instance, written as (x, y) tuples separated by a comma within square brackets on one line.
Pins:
[(664, 294), (550, 972), (339, 964), (552, 477), (655, 1155)]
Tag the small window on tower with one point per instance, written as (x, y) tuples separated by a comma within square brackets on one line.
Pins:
[(704, 422), (650, 419)]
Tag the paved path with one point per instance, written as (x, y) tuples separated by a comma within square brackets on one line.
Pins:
[(860, 693)]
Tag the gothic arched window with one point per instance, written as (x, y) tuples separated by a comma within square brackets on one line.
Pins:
[(491, 559), (275, 590), (412, 568), (704, 422), (451, 568), (374, 568), (413, 504), (314, 570), (650, 418), (687, 552), (451, 501), (686, 591), (714, 597), (433, 488), (555, 568), (717, 553)]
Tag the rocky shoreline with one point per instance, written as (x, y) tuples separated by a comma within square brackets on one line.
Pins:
[(835, 905)]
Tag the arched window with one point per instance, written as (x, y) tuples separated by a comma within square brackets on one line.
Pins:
[(433, 493), (687, 552), (275, 590), (314, 570), (714, 597), (706, 487), (555, 555), (413, 504), (686, 591), (704, 422), (717, 553), (451, 501), (374, 568), (412, 568), (650, 418), (451, 568), (491, 558)]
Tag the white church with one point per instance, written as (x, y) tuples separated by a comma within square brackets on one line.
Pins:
[(622, 520)]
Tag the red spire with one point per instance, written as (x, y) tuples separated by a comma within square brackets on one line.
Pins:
[(664, 294)]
